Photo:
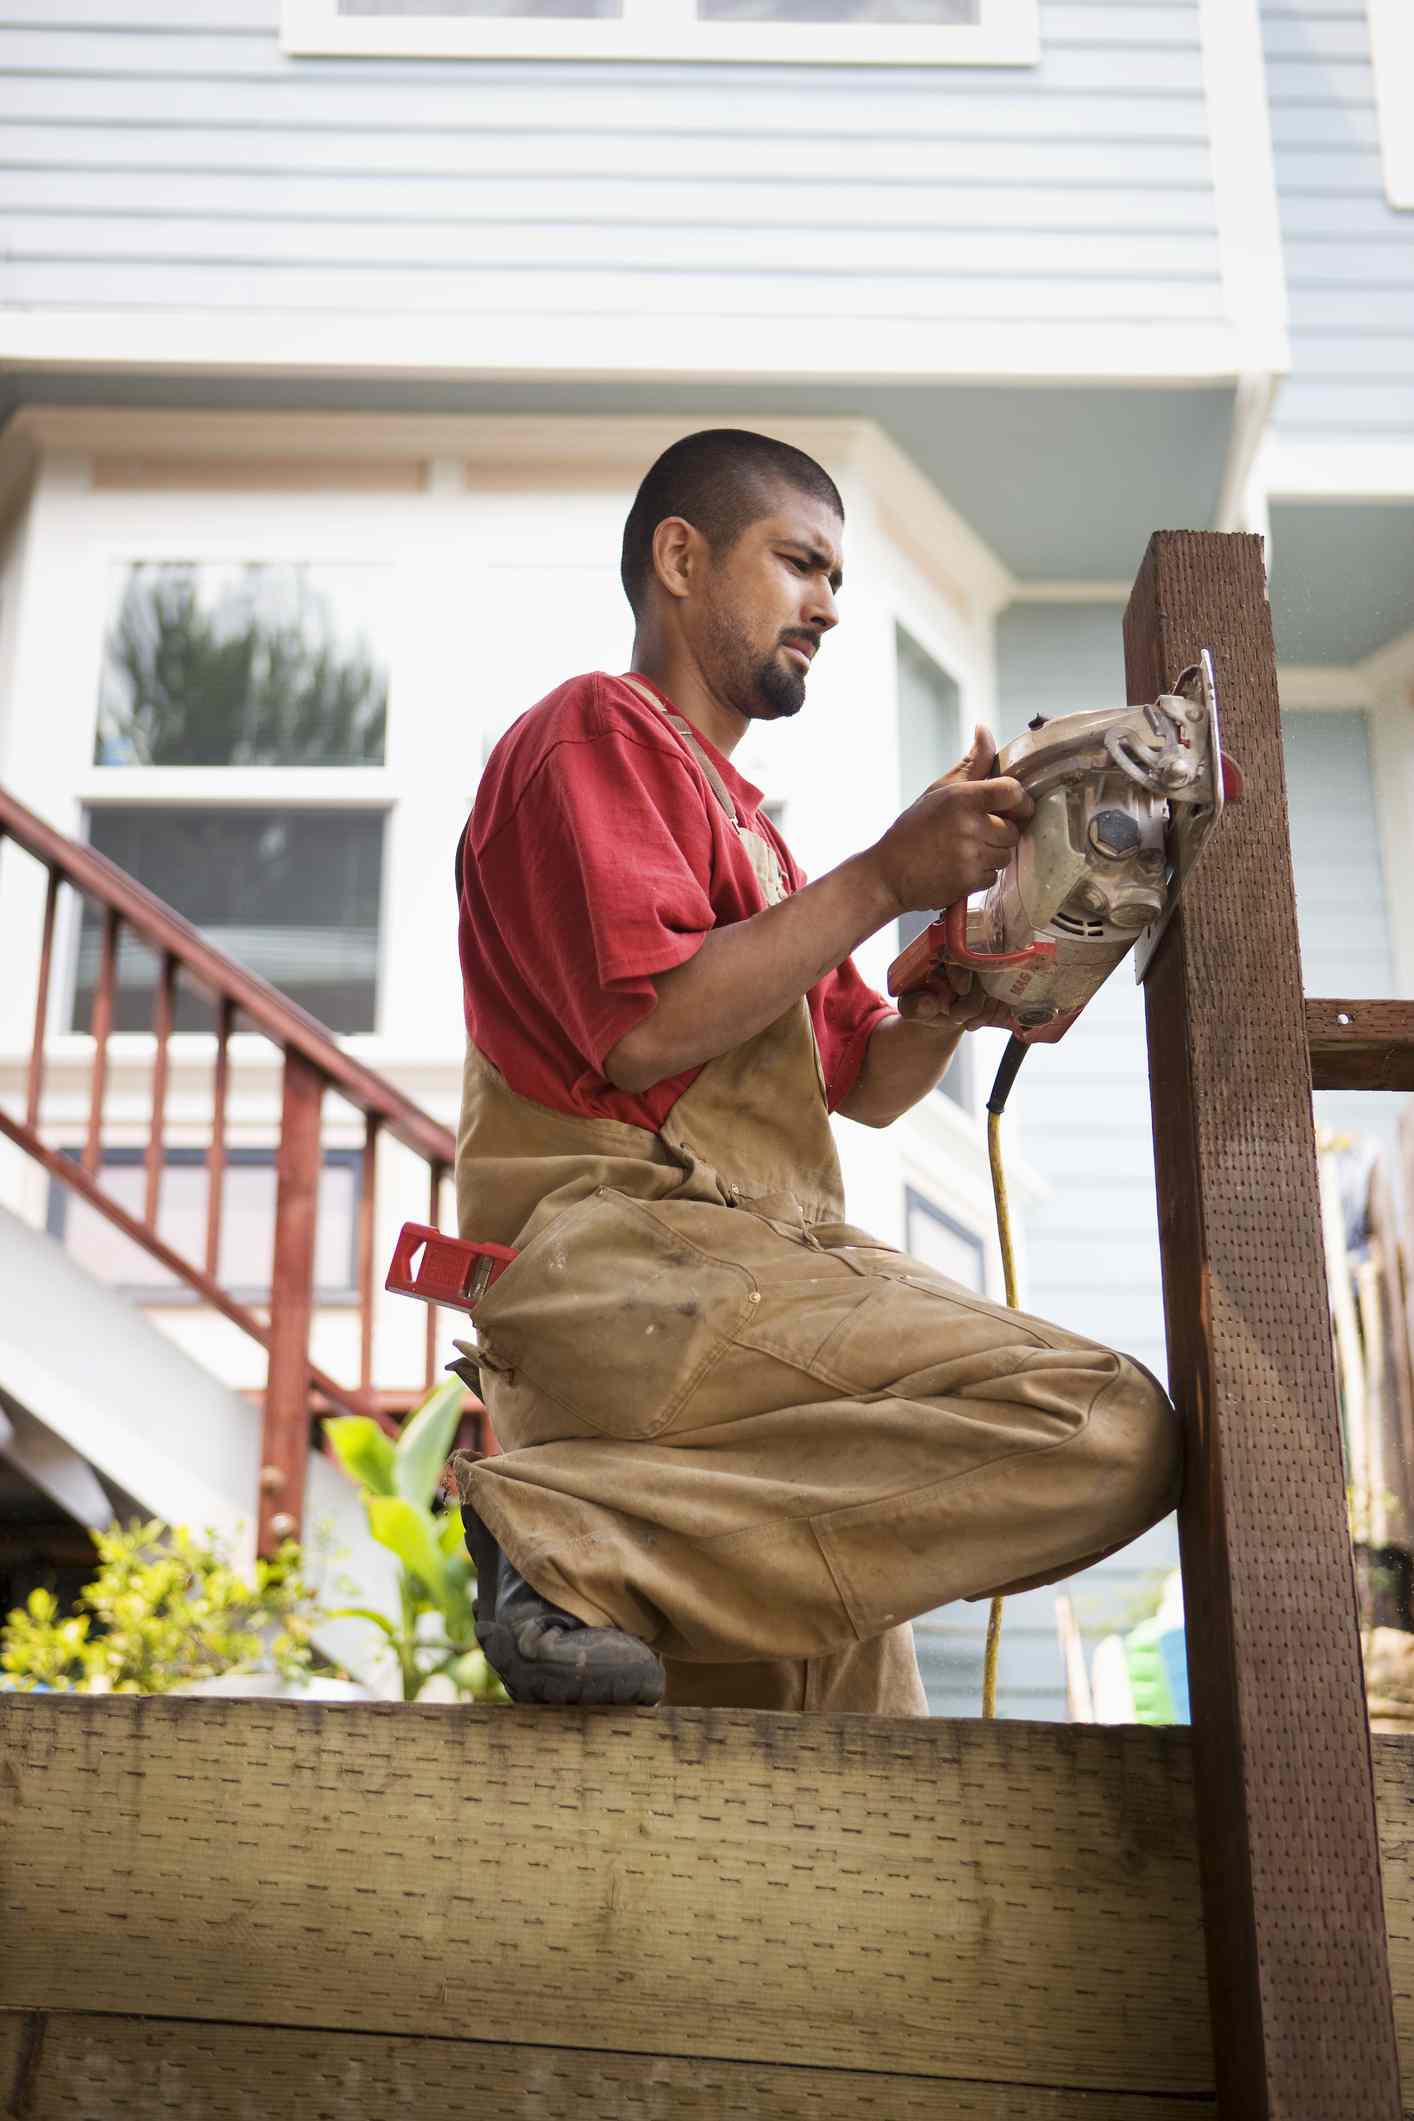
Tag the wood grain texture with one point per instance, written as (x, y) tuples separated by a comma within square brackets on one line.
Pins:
[(1361, 1045), (89, 2068), (396, 1787), (1005, 1904), (1394, 1797), (1298, 1968)]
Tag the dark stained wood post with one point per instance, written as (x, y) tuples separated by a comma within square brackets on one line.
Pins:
[(35, 1082), (284, 1445), (216, 1147), (1298, 1966)]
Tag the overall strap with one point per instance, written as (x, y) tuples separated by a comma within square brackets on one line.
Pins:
[(688, 734), (762, 854)]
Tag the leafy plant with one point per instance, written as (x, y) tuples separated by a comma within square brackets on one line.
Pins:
[(434, 1635), (165, 1609)]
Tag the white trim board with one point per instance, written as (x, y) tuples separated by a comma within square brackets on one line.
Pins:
[(1386, 675), (1249, 235), (1392, 55), (1337, 471), (1320, 687), (1245, 187), (1241, 497), (574, 447), (1170, 352), (1007, 34)]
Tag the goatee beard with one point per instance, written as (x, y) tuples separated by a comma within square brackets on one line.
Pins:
[(764, 688), (780, 689)]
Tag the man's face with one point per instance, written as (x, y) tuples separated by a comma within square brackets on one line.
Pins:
[(767, 604)]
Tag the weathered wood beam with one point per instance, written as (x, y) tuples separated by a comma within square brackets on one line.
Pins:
[(67, 2065), (1361, 1045), (1303, 2021), (714, 1899), (976, 1904)]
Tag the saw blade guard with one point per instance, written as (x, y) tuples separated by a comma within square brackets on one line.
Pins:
[(1125, 799)]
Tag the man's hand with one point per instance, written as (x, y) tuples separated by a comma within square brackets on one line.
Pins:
[(959, 1004), (952, 841), (956, 837)]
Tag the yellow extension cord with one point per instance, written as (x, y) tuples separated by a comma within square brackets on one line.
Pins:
[(994, 1158)]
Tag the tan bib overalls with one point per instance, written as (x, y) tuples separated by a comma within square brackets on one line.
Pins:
[(748, 1433)]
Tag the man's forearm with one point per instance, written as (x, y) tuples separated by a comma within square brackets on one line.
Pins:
[(747, 974), (903, 1061)]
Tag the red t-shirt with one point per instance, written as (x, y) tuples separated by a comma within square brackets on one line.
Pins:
[(597, 855)]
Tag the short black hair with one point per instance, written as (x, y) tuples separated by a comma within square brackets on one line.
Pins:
[(721, 481)]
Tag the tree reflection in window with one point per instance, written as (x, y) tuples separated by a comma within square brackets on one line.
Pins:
[(256, 664)]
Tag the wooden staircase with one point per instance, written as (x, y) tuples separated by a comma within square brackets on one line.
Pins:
[(315, 1069)]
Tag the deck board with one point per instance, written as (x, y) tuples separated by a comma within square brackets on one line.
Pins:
[(87, 2068), (367, 1908)]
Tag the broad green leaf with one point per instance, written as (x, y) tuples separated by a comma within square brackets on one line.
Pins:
[(421, 1450), (407, 1532), (452, 1536), (363, 1451), (364, 1612)]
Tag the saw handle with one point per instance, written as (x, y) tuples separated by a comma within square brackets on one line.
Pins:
[(960, 953), (945, 943)]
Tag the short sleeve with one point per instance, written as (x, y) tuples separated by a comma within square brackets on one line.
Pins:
[(598, 880), (847, 1013), (845, 1010)]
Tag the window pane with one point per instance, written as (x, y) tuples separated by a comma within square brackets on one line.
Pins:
[(292, 894), (919, 14), (496, 10), (247, 1222), (942, 1244), (210, 664)]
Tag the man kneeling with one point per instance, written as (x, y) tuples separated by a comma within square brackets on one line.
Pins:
[(744, 1443)]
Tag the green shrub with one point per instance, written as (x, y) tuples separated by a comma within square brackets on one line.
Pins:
[(165, 1609)]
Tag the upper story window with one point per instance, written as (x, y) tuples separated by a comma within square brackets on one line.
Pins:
[(1392, 53), (213, 663), (836, 32), (214, 672)]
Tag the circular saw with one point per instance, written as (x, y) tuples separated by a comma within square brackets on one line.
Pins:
[(1125, 799)]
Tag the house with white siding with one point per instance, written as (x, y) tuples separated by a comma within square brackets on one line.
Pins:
[(344, 330)]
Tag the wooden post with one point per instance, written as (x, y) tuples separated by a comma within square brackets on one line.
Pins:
[(284, 1445), (1298, 1967)]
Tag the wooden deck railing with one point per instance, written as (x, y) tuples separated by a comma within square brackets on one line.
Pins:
[(313, 1064)]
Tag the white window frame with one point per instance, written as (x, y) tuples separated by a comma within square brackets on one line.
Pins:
[(919, 1206), (1392, 55), (131, 787), (1008, 34)]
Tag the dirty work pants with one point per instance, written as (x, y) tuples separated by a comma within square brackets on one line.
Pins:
[(764, 1447)]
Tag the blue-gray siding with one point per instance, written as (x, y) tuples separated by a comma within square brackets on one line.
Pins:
[(1081, 1117), (1349, 254), (159, 153)]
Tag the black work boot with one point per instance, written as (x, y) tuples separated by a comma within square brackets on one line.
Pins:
[(538, 1651)]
